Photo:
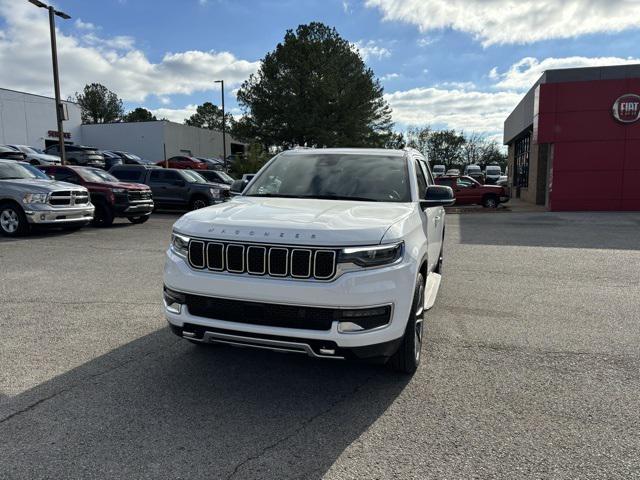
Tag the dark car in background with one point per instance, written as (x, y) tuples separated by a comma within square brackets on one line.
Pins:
[(8, 153), (111, 159), (111, 197), (79, 155), (35, 156), (184, 163), (129, 158), (171, 187)]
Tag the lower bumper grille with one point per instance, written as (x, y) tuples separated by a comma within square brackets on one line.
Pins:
[(267, 314)]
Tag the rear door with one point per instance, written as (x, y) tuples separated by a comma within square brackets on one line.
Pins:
[(168, 187)]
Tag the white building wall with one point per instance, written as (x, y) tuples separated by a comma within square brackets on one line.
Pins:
[(150, 139), (26, 119), (145, 139)]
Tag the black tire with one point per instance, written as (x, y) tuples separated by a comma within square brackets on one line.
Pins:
[(490, 201), (407, 357), (198, 202), (139, 220), (103, 216), (13, 221)]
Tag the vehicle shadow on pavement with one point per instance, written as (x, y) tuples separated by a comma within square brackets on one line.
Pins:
[(160, 407), (611, 230)]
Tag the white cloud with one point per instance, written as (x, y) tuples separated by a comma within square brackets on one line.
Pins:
[(457, 85), (425, 41), (506, 21), (174, 114), (346, 6), (84, 25), (471, 111), (523, 74), (390, 76), (114, 62), (371, 49)]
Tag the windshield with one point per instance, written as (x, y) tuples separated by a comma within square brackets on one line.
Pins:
[(192, 176), (493, 170), (374, 178), (438, 168), (11, 171), (25, 149), (225, 177), (97, 176)]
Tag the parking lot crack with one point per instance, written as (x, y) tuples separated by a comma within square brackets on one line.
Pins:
[(300, 428)]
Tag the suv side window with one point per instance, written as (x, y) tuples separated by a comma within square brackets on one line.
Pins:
[(422, 181), (66, 175), (464, 183), (427, 171)]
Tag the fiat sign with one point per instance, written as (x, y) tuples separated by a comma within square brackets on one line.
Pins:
[(627, 108)]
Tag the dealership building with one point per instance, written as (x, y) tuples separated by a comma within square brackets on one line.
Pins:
[(27, 119), (574, 140)]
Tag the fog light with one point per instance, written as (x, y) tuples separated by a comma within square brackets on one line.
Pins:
[(43, 216), (173, 300), (357, 320)]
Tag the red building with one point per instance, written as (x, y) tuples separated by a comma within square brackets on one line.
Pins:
[(574, 140)]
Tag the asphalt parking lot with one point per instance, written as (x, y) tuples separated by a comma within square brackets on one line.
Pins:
[(531, 368)]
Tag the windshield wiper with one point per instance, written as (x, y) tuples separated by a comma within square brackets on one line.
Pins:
[(14, 178)]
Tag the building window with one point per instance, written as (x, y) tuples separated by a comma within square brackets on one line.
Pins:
[(521, 161)]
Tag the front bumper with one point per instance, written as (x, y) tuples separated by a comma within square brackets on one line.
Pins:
[(134, 208), (43, 214), (393, 285), (504, 199)]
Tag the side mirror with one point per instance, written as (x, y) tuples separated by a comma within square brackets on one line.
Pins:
[(238, 186), (438, 196)]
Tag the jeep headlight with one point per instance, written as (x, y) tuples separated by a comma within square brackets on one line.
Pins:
[(31, 198), (373, 256), (180, 244), (215, 193)]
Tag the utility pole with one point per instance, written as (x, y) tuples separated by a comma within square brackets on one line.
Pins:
[(224, 128), (56, 79)]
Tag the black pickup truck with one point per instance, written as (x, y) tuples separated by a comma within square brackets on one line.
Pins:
[(173, 187)]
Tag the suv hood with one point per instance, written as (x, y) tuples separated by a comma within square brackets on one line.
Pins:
[(36, 185), (295, 221), (123, 185)]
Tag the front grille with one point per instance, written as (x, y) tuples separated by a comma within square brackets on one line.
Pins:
[(256, 259), (267, 314), (135, 195), (68, 198)]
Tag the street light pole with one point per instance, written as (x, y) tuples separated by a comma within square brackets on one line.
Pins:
[(56, 79), (224, 127)]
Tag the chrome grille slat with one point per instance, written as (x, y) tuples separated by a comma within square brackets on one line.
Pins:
[(67, 198), (263, 259)]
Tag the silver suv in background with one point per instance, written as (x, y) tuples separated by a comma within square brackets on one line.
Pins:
[(79, 155), (492, 174), (36, 156), (28, 197), (438, 170)]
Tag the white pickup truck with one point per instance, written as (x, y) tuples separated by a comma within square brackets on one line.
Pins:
[(333, 253)]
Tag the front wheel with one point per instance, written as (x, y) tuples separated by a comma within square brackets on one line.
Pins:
[(407, 358), (490, 202), (102, 216), (197, 203), (13, 221)]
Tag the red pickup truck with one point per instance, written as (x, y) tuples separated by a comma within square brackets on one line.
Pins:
[(111, 197), (470, 192)]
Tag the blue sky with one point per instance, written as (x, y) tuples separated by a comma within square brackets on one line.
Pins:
[(460, 64)]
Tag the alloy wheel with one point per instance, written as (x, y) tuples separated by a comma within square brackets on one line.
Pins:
[(198, 204), (9, 220)]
